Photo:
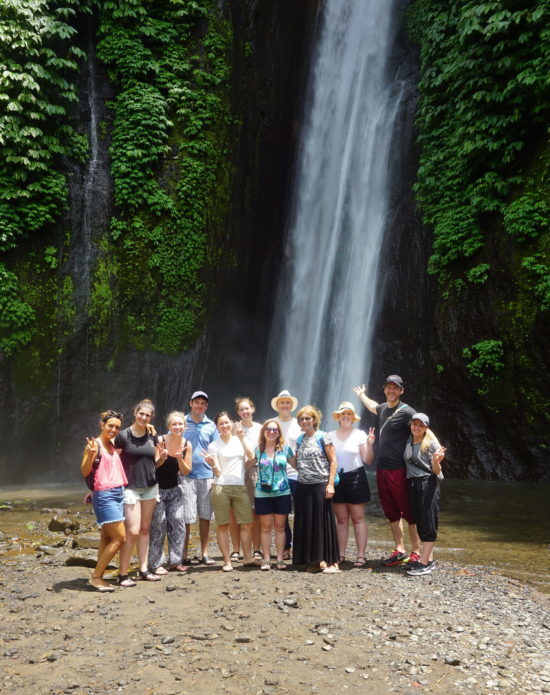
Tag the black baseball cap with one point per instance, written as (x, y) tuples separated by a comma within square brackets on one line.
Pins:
[(395, 379)]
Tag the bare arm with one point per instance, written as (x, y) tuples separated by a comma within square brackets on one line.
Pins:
[(365, 400), (250, 460), (367, 450), (437, 457), (90, 452), (185, 461), (331, 456)]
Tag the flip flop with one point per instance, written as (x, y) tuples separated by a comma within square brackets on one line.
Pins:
[(161, 571), (102, 589), (125, 581), (147, 576)]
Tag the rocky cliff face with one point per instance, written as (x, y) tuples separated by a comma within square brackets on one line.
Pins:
[(81, 359)]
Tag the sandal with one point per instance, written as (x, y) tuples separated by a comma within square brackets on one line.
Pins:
[(125, 581), (235, 556), (227, 568), (331, 569), (103, 588), (179, 568), (205, 560), (360, 562), (265, 566), (281, 566), (258, 555), (286, 554), (161, 571), (148, 576)]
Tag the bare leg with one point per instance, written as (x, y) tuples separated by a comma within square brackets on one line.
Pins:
[(415, 540), (132, 521), (427, 552), (204, 530), (357, 513), (246, 540), (113, 536), (147, 509), (280, 536), (223, 541), (234, 532), (266, 525), (342, 527), (256, 533), (397, 533)]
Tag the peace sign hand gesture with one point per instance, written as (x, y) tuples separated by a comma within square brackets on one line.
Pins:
[(91, 446), (371, 437)]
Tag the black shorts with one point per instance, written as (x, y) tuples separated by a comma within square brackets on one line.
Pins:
[(353, 488), (272, 505), (424, 498)]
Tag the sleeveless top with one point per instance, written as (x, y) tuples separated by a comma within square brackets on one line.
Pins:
[(110, 472)]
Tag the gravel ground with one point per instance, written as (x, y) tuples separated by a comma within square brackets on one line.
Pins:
[(462, 629)]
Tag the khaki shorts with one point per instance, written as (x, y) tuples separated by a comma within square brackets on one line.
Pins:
[(227, 497)]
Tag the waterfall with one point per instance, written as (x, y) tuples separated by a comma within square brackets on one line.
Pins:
[(329, 287)]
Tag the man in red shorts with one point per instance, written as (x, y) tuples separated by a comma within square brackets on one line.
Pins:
[(392, 428)]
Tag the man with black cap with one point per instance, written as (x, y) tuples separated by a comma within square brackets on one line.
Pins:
[(392, 428), (199, 431)]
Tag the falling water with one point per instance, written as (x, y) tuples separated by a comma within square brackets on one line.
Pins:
[(329, 286)]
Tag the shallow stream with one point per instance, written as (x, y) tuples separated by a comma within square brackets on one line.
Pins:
[(500, 525)]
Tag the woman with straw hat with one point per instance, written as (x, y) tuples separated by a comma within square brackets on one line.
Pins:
[(354, 450)]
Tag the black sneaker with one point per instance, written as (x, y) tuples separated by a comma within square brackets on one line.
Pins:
[(421, 569), (396, 558)]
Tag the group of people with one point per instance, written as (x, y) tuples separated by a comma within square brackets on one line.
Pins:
[(147, 489)]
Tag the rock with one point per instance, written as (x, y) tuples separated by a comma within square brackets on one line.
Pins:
[(243, 639), (452, 661), (349, 669), (327, 647), (172, 587), (167, 640), (60, 523)]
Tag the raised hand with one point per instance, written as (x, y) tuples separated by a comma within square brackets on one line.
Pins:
[(371, 437), (439, 455), (91, 445), (238, 430), (163, 453), (359, 390)]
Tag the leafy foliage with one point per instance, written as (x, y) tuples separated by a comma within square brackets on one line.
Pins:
[(37, 65), (170, 63), (483, 177)]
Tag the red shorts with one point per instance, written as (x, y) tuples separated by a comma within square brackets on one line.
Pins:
[(393, 494)]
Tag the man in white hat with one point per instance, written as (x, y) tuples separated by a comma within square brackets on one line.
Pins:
[(284, 405), (392, 430)]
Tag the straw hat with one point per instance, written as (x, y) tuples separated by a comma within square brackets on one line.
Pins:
[(284, 394), (345, 405)]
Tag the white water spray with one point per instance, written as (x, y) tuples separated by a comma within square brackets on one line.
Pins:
[(329, 286)]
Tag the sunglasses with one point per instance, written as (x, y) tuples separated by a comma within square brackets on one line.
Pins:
[(304, 419), (271, 430)]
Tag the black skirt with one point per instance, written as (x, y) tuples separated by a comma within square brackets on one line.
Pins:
[(315, 538)]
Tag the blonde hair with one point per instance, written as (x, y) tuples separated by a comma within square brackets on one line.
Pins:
[(172, 415), (313, 411), (428, 438)]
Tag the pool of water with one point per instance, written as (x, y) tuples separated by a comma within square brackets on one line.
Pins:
[(500, 525)]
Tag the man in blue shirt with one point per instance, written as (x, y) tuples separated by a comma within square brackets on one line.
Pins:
[(199, 431)]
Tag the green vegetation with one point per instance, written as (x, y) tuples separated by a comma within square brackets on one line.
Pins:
[(483, 177), (38, 61), (169, 61)]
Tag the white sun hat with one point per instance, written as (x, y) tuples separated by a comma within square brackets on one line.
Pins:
[(284, 394)]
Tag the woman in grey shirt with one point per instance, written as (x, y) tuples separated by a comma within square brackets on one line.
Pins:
[(423, 456), (315, 538)]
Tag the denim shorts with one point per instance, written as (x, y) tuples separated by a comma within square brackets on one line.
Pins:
[(108, 505), (138, 494)]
